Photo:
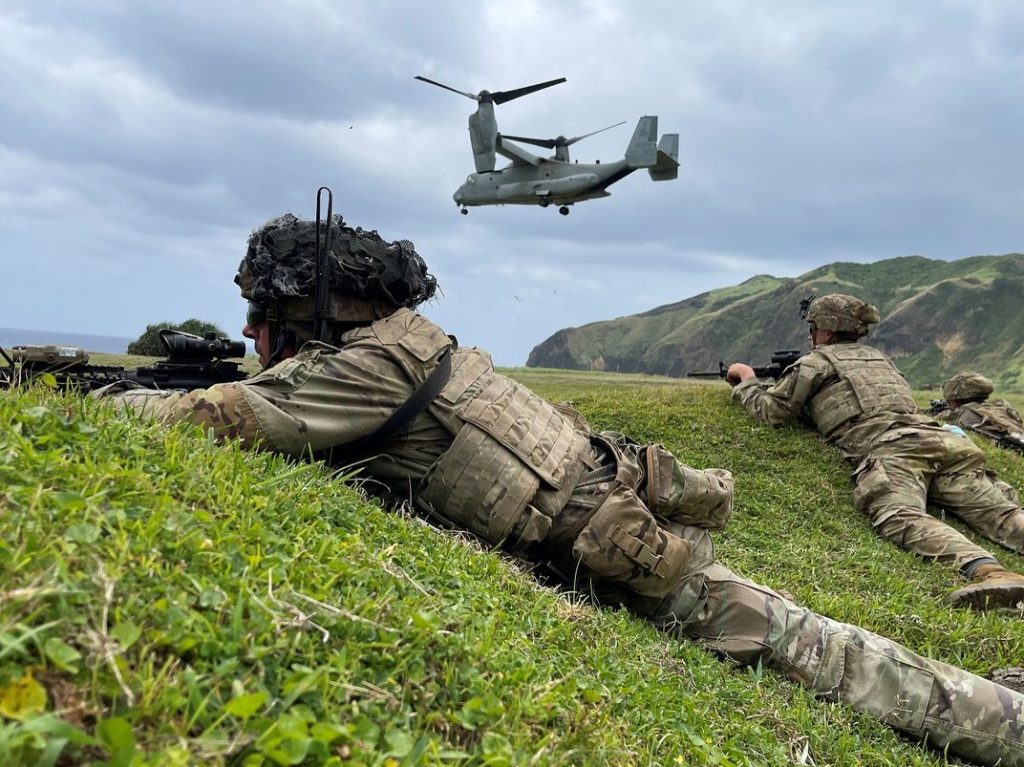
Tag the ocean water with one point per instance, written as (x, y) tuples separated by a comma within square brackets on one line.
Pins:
[(93, 343)]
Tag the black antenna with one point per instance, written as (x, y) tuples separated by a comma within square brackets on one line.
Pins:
[(323, 266)]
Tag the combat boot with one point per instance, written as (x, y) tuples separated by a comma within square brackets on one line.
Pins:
[(992, 586)]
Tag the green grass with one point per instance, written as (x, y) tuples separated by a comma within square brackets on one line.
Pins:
[(164, 600)]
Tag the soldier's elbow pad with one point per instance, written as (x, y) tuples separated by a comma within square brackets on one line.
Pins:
[(700, 497)]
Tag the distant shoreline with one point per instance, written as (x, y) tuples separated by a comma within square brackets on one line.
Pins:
[(89, 342)]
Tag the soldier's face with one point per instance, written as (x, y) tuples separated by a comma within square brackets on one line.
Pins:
[(260, 334), (819, 336)]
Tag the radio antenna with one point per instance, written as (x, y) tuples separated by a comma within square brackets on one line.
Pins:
[(323, 266)]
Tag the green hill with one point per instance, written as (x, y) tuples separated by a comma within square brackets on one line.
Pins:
[(938, 317), (167, 601)]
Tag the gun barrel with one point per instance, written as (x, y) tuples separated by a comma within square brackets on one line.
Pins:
[(720, 373)]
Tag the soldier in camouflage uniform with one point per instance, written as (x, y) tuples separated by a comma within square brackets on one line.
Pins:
[(624, 521), (968, 406), (856, 398)]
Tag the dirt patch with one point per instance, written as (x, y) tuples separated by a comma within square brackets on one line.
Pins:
[(951, 346)]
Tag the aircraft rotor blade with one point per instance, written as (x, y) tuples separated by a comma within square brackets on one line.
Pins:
[(548, 143), (574, 139), (473, 96), (551, 143), (500, 97)]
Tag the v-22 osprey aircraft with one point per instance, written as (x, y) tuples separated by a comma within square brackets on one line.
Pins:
[(533, 180)]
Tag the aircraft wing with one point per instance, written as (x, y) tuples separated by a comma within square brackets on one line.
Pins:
[(516, 154)]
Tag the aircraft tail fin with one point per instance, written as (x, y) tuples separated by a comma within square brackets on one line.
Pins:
[(642, 151), (666, 167)]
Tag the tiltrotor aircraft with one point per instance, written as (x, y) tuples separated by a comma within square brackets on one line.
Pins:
[(532, 180)]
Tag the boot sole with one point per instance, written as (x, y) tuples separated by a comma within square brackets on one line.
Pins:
[(987, 596)]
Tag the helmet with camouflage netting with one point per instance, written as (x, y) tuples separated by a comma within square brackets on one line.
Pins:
[(842, 313), (369, 277), (967, 386)]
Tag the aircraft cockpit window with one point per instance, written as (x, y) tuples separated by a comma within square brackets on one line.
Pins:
[(471, 179)]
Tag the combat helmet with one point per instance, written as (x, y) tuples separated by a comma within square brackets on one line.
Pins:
[(967, 386), (369, 277), (842, 313)]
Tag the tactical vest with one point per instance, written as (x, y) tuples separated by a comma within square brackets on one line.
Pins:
[(866, 383), (514, 457)]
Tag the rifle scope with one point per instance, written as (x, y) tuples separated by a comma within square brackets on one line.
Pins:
[(186, 347)]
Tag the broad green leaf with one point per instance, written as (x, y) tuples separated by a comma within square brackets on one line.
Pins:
[(126, 634), (212, 598), (62, 655), (244, 706), (68, 500), (82, 533), (115, 733), (288, 750)]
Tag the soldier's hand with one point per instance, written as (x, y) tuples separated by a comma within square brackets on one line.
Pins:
[(738, 372)]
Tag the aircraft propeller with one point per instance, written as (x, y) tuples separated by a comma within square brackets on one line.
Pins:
[(560, 141), (497, 97)]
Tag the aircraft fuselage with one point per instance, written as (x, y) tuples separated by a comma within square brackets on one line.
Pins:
[(550, 181)]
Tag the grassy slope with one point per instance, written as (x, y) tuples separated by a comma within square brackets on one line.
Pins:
[(156, 607)]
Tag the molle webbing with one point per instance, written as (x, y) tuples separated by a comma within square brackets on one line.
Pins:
[(529, 425), (868, 384), (513, 447)]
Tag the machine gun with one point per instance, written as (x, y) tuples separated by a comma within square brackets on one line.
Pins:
[(936, 406), (193, 362), (780, 360)]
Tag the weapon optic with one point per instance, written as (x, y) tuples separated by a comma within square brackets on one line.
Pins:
[(780, 360)]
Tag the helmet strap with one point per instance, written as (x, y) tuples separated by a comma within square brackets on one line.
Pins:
[(284, 339), (280, 337)]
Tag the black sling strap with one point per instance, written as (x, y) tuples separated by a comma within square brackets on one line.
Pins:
[(368, 444)]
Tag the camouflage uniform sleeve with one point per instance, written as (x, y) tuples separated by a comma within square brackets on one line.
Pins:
[(223, 408), (785, 400), (310, 402)]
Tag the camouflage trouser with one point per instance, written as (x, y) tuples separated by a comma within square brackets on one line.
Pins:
[(946, 706), (748, 623), (908, 468)]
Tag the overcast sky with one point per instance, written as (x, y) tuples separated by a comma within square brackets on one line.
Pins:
[(141, 142)]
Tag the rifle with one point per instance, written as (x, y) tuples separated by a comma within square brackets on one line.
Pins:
[(780, 360), (193, 362), (1013, 440), (973, 422)]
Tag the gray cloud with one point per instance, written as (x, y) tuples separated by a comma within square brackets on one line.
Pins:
[(142, 142)]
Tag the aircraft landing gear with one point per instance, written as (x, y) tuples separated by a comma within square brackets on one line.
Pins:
[(543, 202), (564, 210), (464, 211)]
